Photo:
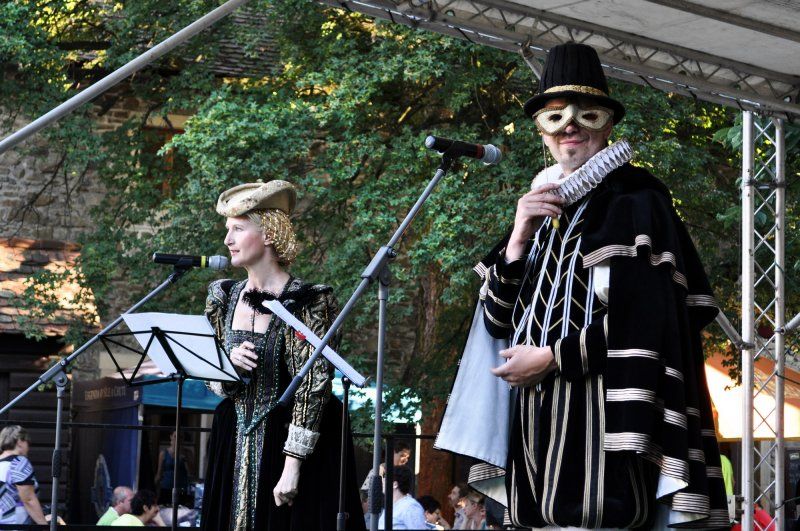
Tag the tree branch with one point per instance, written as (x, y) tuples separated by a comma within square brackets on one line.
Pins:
[(30, 205), (84, 45)]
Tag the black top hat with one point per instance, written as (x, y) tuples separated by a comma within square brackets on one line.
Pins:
[(574, 70)]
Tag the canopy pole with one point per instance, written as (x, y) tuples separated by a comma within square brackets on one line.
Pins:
[(780, 321), (763, 318), (121, 73), (748, 318)]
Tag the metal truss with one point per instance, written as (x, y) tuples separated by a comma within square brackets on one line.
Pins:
[(763, 316), (530, 31)]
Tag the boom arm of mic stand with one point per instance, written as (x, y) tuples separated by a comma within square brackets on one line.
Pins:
[(369, 275), (62, 364)]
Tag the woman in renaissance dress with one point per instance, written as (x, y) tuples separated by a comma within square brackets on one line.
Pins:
[(272, 467)]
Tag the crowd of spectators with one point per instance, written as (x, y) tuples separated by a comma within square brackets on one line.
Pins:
[(128, 509), (144, 511), (471, 509), (20, 504)]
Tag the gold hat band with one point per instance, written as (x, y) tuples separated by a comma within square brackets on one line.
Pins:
[(583, 89)]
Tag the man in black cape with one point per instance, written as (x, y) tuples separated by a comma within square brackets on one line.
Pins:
[(600, 293)]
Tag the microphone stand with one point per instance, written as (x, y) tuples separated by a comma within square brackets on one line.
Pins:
[(58, 372), (341, 517), (378, 269)]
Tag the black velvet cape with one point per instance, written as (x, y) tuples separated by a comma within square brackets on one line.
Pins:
[(659, 301)]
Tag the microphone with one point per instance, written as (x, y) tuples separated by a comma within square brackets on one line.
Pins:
[(488, 154), (187, 260)]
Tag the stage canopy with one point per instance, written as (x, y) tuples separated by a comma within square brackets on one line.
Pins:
[(741, 53), (727, 397)]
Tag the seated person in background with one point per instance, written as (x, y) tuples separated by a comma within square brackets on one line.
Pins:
[(407, 513), (402, 453), (433, 513), (494, 512), (457, 499), (144, 509), (475, 510), (120, 504)]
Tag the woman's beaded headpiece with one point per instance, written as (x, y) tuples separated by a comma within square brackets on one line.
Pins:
[(278, 228)]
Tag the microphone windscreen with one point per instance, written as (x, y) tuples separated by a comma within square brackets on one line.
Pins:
[(218, 262), (492, 154)]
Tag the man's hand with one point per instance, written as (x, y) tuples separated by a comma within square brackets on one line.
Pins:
[(526, 365), (286, 488), (531, 209)]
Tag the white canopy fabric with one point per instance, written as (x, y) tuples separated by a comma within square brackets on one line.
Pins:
[(742, 53)]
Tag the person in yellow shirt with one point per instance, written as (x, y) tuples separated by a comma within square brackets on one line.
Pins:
[(120, 504), (144, 509), (727, 474)]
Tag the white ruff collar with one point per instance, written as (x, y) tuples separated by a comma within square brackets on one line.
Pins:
[(583, 180)]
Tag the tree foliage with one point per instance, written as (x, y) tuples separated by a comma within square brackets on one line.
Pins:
[(343, 115)]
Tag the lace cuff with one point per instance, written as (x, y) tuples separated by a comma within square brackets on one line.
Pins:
[(300, 442), (224, 389), (216, 388)]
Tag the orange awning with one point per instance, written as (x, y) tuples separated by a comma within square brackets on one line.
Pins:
[(728, 400)]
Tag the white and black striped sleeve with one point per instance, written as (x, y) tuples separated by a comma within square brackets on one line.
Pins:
[(584, 351), (503, 285)]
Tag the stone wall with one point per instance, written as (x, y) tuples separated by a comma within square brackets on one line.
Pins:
[(39, 209), (36, 205), (34, 202)]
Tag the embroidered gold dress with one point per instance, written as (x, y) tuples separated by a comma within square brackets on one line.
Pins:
[(251, 434)]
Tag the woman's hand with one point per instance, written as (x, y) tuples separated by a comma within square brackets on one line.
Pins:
[(244, 356), (526, 365), (286, 488), (157, 520)]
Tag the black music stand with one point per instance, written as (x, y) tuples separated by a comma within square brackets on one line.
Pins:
[(180, 352)]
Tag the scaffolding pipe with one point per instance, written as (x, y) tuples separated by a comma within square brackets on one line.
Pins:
[(748, 318), (121, 73), (791, 325), (780, 320), (730, 331)]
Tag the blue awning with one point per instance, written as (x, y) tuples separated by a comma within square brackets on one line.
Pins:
[(195, 395)]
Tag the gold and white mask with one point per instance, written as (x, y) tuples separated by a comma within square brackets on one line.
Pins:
[(554, 120)]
